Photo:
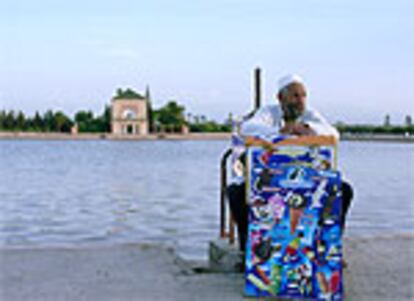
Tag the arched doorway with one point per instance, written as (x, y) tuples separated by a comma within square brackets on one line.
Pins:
[(130, 129)]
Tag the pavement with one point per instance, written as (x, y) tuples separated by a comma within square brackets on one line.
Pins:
[(379, 268)]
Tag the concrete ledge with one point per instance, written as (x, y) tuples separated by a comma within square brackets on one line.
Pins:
[(380, 268), (225, 258)]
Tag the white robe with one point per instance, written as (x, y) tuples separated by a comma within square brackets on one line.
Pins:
[(268, 120)]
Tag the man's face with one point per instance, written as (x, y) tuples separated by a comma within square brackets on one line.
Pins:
[(293, 101)]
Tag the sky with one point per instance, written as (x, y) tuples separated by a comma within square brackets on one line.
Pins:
[(357, 57)]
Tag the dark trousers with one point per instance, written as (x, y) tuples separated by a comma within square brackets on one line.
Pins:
[(236, 194)]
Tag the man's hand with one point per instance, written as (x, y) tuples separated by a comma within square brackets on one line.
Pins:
[(299, 129)]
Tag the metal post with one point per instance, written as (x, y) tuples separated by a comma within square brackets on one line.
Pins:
[(223, 170), (223, 186), (258, 92), (232, 225)]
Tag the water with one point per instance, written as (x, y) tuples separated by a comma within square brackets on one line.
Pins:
[(107, 192), (382, 175)]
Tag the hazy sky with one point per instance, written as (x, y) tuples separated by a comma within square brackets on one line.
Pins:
[(356, 56)]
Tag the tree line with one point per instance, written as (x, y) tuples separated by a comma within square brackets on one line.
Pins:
[(375, 129), (48, 122), (386, 128), (55, 121), (170, 118)]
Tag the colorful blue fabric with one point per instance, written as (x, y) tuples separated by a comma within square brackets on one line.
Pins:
[(294, 247)]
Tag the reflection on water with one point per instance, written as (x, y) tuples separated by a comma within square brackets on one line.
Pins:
[(54, 192)]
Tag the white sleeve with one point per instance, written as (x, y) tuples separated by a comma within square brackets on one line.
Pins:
[(320, 125), (261, 123)]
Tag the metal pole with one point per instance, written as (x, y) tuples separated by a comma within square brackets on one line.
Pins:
[(232, 225), (223, 186), (223, 169), (257, 84)]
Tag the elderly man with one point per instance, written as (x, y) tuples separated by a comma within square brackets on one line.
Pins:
[(290, 117)]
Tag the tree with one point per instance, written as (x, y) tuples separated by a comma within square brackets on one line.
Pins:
[(83, 116), (387, 120), (229, 120), (9, 121), (62, 123), (171, 115), (189, 117), (84, 120), (2, 119), (127, 94), (38, 124), (106, 119), (150, 115), (408, 121), (196, 119), (88, 123), (20, 121), (49, 121), (149, 109)]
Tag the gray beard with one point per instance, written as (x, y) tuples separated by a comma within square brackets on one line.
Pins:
[(290, 113)]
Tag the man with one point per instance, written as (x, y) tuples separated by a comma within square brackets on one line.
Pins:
[(290, 117)]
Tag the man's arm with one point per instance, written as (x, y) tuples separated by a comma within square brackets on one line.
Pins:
[(298, 129), (319, 125)]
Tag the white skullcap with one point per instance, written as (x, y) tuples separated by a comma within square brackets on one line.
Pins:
[(289, 79)]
